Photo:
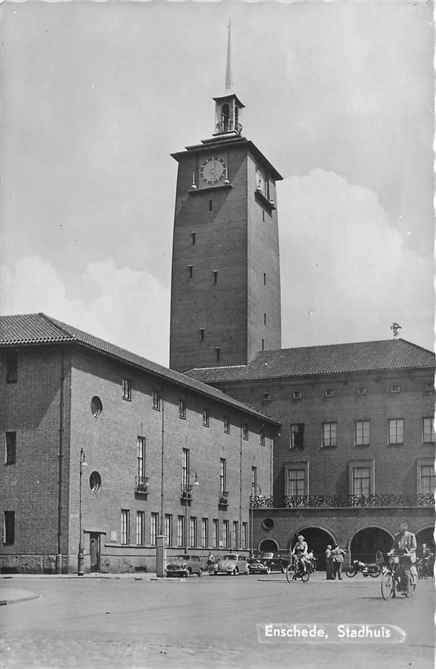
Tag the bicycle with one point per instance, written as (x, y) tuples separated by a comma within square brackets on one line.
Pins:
[(390, 584), (295, 570)]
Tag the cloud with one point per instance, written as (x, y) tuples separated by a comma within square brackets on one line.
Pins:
[(127, 307), (346, 272)]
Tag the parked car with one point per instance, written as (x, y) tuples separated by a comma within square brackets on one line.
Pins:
[(184, 565), (275, 562), (256, 566), (232, 563)]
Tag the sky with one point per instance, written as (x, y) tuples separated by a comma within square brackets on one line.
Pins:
[(339, 97)]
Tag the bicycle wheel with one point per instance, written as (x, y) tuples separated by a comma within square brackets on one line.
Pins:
[(387, 586), (289, 574)]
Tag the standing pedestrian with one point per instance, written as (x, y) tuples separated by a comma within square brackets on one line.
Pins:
[(338, 560), (329, 563)]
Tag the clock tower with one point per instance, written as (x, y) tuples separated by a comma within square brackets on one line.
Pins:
[(225, 286)]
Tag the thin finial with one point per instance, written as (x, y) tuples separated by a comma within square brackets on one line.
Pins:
[(395, 327), (228, 64)]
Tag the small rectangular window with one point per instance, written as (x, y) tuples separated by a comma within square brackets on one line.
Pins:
[(125, 526), (395, 388), (11, 448), (426, 479), (296, 436), (210, 205), (205, 415), (297, 395), (254, 486), (226, 533), (264, 279), (396, 431), (182, 409), (227, 425), (156, 400), (264, 319), (9, 528), (216, 532), (245, 431), (262, 437), (245, 535), (235, 534), (328, 435), (217, 354), (329, 393), (361, 432), (201, 334), (186, 468), (223, 476), (193, 532), (262, 344), (263, 214), (204, 532), (140, 528), (190, 271), (140, 460), (127, 389), (193, 238), (215, 276), (154, 528), (11, 367)]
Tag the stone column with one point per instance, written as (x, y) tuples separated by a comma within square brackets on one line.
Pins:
[(161, 555)]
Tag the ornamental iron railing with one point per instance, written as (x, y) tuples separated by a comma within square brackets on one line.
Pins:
[(342, 501)]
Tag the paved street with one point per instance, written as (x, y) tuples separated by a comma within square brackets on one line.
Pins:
[(205, 622)]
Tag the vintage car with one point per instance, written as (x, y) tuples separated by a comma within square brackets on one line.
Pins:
[(256, 566), (184, 565), (275, 562), (232, 563)]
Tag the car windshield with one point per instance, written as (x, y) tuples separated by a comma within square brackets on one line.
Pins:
[(230, 557), (179, 558)]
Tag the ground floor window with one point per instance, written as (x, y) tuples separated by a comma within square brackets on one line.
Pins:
[(180, 530), (245, 535), (204, 532), (140, 528), (168, 529), (235, 534), (154, 528), (193, 532), (125, 526), (216, 532), (226, 534)]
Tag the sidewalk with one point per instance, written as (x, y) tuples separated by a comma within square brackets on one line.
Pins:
[(138, 576)]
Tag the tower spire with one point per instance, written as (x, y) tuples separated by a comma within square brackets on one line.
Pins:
[(228, 84)]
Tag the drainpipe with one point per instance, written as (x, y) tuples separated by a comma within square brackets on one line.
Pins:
[(239, 544), (60, 463)]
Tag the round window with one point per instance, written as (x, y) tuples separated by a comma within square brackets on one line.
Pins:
[(96, 406), (267, 524), (95, 481)]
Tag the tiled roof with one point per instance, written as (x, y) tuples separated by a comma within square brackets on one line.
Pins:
[(39, 329), (319, 360)]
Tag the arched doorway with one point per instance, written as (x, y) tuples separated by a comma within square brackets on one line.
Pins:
[(425, 536), (269, 546), (365, 543), (317, 540)]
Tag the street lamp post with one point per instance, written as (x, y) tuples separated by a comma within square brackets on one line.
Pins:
[(255, 489), (187, 494), (80, 558)]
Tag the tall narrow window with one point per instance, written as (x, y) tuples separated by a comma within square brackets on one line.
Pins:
[(168, 529), (11, 366), (182, 409), (185, 467), (396, 431), (126, 385), (193, 532), (210, 205), (156, 400), (264, 319), (140, 459), (245, 431), (204, 532), (190, 271), (263, 214), (180, 530), (216, 532), (226, 424), (254, 480), (125, 526), (193, 238), (262, 344), (201, 334), (218, 354), (235, 534), (140, 528), (223, 476), (245, 535), (154, 528), (215, 276), (361, 433), (297, 436), (262, 437), (226, 533), (9, 528), (264, 279), (328, 435), (11, 448), (205, 416)]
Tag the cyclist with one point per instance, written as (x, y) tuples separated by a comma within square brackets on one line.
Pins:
[(299, 553), (405, 548)]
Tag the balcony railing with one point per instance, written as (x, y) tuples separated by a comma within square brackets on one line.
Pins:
[(141, 485), (356, 501), (223, 501)]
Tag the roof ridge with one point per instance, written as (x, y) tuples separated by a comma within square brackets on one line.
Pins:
[(411, 343), (349, 343), (55, 323)]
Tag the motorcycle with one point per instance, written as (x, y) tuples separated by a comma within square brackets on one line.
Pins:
[(366, 570)]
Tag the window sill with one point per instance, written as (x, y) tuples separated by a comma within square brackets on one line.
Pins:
[(269, 204), (327, 448), (362, 445), (399, 444), (205, 189)]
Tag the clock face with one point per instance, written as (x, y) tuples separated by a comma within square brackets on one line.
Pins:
[(212, 170)]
